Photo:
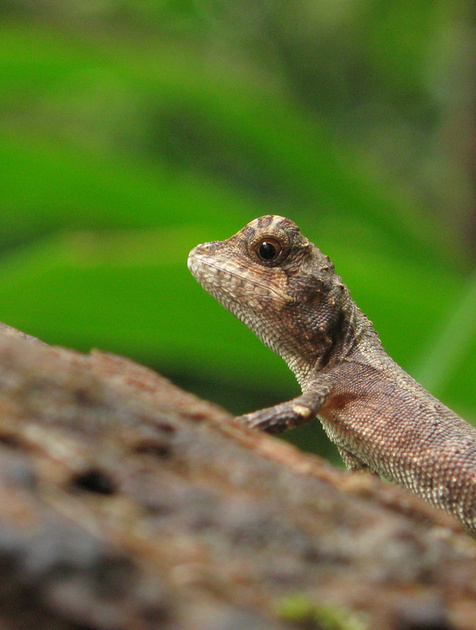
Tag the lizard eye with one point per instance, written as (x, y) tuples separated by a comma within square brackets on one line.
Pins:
[(268, 249)]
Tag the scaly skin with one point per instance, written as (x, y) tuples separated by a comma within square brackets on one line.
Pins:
[(287, 292)]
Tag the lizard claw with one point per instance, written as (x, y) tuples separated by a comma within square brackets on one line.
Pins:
[(262, 419)]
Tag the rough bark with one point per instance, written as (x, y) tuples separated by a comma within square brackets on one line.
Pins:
[(127, 503)]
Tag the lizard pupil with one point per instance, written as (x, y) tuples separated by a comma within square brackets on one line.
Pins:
[(268, 250)]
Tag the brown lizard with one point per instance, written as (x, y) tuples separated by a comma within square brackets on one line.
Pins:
[(286, 291)]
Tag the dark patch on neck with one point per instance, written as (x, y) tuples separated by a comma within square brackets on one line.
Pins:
[(335, 337), (338, 331)]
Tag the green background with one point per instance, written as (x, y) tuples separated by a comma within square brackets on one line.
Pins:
[(132, 130)]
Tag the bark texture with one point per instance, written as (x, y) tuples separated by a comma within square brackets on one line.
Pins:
[(128, 503)]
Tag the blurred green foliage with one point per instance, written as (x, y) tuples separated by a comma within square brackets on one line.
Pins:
[(132, 130)]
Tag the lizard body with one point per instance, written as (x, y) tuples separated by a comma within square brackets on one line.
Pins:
[(287, 292)]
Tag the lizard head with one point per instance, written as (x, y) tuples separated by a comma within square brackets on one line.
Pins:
[(279, 284)]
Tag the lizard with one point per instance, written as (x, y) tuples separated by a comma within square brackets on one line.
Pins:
[(287, 292)]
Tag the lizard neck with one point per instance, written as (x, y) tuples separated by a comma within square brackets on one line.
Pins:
[(346, 335)]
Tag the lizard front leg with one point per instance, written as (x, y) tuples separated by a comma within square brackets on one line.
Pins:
[(289, 414), (352, 462)]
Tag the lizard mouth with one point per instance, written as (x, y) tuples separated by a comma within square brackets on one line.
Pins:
[(196, 263)]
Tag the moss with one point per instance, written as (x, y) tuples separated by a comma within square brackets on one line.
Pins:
[(306, 613)]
